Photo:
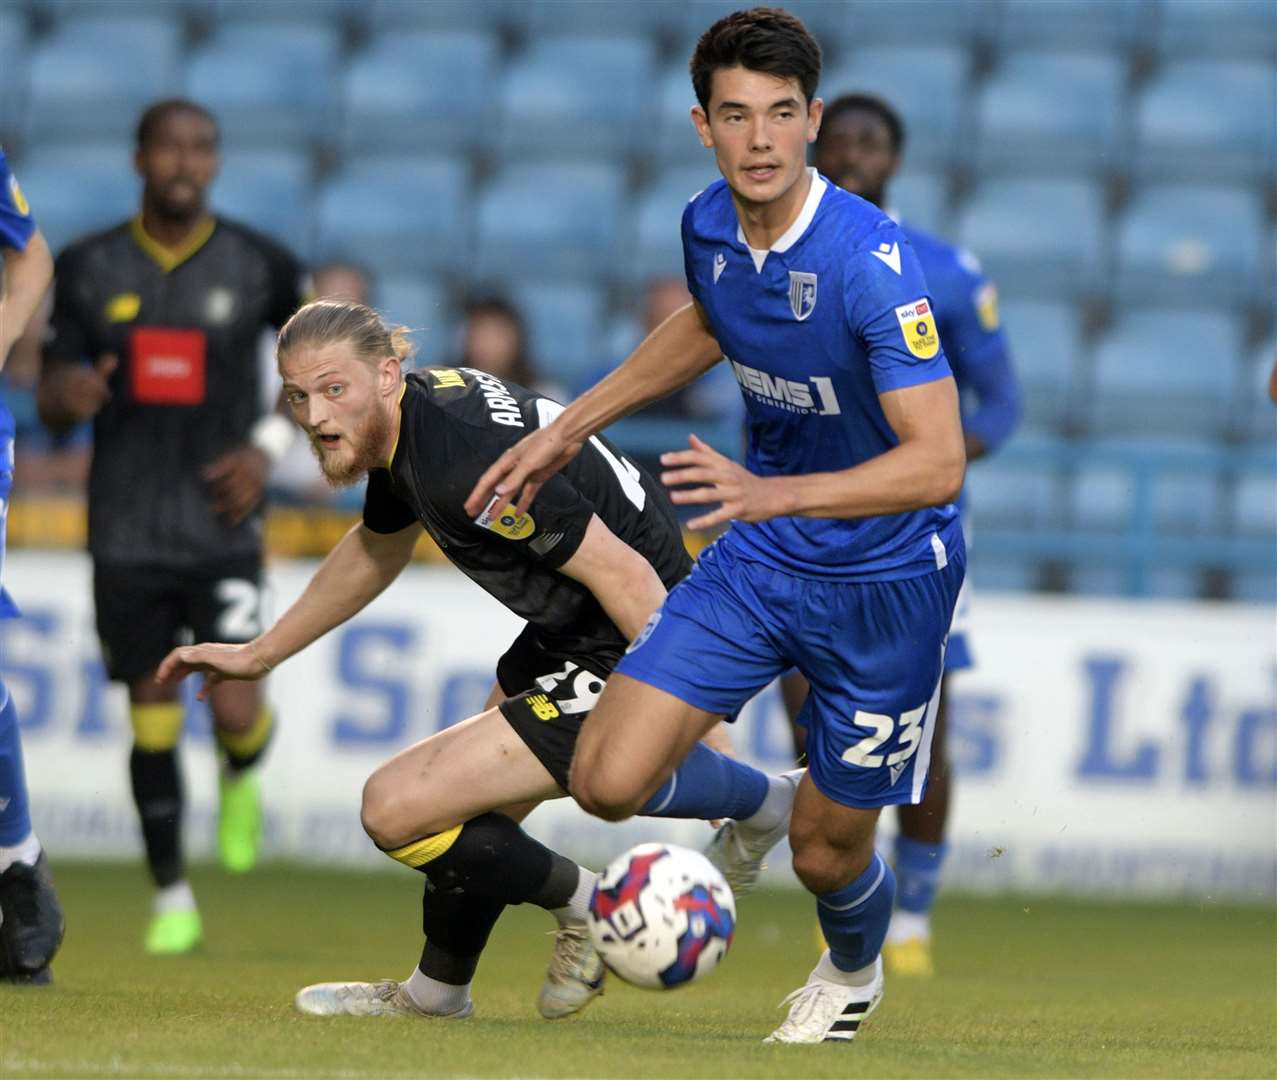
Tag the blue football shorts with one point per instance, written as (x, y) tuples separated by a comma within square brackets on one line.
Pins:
[(873, 652)]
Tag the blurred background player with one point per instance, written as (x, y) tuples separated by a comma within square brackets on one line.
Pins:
[(154, 335), (859, 147), (31, 921)]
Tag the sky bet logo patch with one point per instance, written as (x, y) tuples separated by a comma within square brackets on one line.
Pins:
[(919, 328), (505, 522)]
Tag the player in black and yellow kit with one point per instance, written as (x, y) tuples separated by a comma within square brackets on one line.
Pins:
[(155, 334), (585, 567)]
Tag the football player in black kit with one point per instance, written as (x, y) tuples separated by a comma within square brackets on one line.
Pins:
[(586, 566), (155, 336)]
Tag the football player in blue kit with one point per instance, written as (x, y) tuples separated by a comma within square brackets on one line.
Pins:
[(31, 921), (859, 147), (845, 554)]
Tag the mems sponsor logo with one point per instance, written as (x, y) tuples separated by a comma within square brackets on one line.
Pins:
[(816, 397)]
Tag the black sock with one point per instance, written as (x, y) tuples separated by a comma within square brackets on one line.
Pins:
[(456, 926), (157, 791)]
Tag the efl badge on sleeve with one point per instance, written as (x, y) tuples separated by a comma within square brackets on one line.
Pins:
[(918, 325), (802, 294), (504, 521), (167, 366), (986, 306), (19, 200)]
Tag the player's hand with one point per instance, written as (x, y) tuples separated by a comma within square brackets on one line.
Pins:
[(744, 496), (77, 392), (217, 662), (517, 475), (238, 479)]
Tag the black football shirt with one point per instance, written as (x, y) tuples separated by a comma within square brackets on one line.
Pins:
[(455, 422), (186, 327)]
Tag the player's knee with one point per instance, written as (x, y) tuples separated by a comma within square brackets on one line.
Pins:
[(821, 869), (602, 796), (381, 814)]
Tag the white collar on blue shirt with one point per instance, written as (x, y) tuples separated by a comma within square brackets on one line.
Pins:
[(790, 236)]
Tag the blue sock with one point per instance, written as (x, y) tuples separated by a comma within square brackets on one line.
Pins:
[(854, 918), (15, 814), (709, 785), (918, 874)]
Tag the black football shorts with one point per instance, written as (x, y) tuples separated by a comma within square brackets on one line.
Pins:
[(145, 611)]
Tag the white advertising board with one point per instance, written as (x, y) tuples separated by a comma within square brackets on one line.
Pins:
[(1101, 747)]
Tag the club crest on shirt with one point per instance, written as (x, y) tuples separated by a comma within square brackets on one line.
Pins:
[(219, 305), (802, 294), (918, 325)]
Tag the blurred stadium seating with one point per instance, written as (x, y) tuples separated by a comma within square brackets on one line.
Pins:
[(1112, 162)]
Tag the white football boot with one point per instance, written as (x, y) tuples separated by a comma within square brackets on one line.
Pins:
[(825, 1011), (738, 851), (384, 998), (575, 976)]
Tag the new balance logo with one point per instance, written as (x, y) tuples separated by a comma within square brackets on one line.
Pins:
[(888, 255)]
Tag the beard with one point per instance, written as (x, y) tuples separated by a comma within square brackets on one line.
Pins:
[(366, 443)]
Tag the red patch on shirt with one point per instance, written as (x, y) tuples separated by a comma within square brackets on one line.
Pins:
[(167, 366)]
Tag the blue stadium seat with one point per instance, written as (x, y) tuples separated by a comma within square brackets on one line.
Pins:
[(270, 190), (1037, 237), (422, 306), (1225, 28), (921, 199), (1258, 411), (1176, 482), (93, 76), (398, 214), (1046, 344), (424, 90), (14, 43), (1195, 245), (1006, 491), (1255, 505), (576, 94), (60, 10), (553, 220), (1114, 577), (296, 13), (925, 83), (564, 323), (999, 572), (1258, 586), (1112, 25), (269, 84), (660, 214), (55, 181), (677, 142), (1051, 112), (404, 15), (1204, 120), (603, 16), (1165, 373)]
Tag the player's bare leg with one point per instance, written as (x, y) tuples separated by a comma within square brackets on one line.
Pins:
[(621, 767), (919, 848), (449, 807), (157, 716), (834, 858), (243, 726)]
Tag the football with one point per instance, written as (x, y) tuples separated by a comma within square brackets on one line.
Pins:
[(661, 916)]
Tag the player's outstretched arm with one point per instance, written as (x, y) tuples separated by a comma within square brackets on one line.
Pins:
[(356, 571), (622, 581), (27, 274), (671, 356)]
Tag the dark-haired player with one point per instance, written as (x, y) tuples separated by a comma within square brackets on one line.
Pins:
[(859, 147), (585, 565), (845, 555), (155, 335)]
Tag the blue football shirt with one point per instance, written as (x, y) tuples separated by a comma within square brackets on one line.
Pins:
[(16, 229), (975, 345), (835, 313)]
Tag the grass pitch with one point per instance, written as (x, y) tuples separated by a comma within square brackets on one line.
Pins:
[(1026, 988)]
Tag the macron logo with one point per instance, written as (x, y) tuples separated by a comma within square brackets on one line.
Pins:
[(720, 264), (888, 255)]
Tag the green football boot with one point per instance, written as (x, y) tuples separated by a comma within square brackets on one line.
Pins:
[(239, 822), (172, 933)]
